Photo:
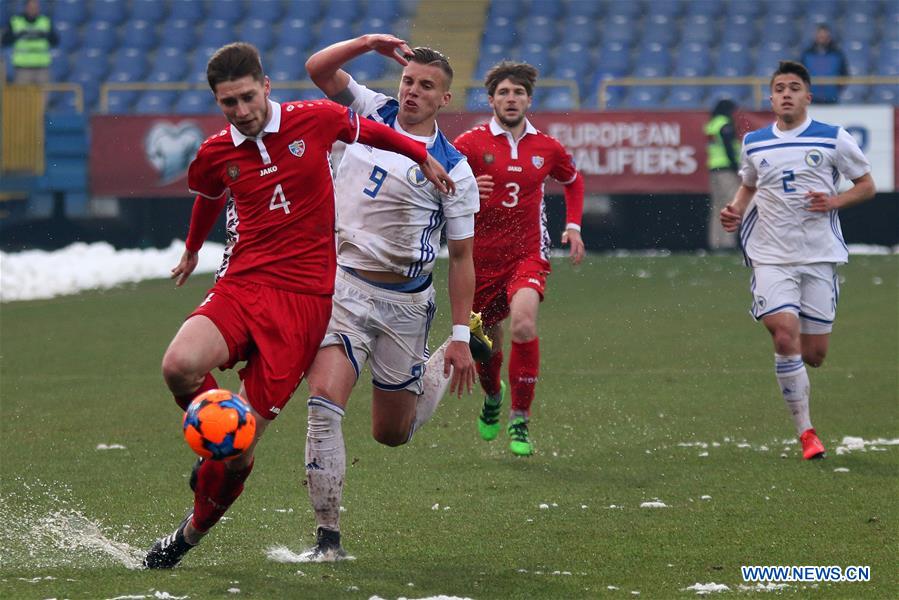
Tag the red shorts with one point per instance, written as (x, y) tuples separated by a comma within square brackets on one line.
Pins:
[(493, 292), (277, 332)]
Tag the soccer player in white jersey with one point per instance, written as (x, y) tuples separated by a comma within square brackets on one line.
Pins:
[(786, 213), (389, 220)]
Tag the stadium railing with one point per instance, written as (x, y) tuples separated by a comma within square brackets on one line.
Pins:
[(759, 84)]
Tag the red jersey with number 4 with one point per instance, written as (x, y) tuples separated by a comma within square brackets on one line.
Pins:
[(280, 211), (511, 224)]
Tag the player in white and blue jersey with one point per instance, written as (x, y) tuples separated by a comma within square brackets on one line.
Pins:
[(389, 222), (786, 211)]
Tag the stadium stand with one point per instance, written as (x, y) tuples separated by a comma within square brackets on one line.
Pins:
[(161, 41)]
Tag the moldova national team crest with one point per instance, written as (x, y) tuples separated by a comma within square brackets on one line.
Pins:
[(537, 161), (814, 158), (415, 176), (297, 148), (488, 158), (233, 172)]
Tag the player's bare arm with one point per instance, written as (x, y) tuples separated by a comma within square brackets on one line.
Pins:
[(185, 267), (458, 359), (732, 214), (863, 189), (577, 251), (485, 186), (436, 174), (324, 67)]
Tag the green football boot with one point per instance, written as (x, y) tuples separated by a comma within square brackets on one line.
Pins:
[(519, 439), (488, 420)]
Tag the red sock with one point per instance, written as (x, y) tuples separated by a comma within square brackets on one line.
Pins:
[(489, 373), (217, 489), (524, 366), (209, 383)]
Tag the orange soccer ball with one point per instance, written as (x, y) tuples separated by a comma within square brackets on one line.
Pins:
[(219, 425)]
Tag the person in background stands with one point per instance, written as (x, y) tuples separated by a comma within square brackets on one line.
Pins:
[(825, 59), (31, 36), (723, 163)]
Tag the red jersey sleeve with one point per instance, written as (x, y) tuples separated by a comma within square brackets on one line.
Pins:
[(336, 122), (202, 177), (564, 170)]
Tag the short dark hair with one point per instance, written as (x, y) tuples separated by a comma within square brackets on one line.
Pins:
[(233, 62), (796, 68), (428, 56), (521, 73)]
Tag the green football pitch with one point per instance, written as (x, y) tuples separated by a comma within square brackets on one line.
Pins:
[(656, 387)]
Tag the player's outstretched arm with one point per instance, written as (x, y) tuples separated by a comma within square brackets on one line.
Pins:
[(863, 189), (573, 236), (436, 174), (185, 267), (324, 67), (732, 215), (458, 360), (202, 218)]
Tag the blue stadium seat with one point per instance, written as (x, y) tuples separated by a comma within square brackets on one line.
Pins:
[(699, 28), (750, 10), (829, 9), (646, 96), (345, 10), (195, 102), (231, 11), (59, 65), (92, 60), (614, 60), (154, 102), (739, 29), (685, 97), (189, 11), (619, 28), (286, 63), (580, 29), (660, 29), (179, 33), (69, 38), (768, 57), (537, 55), (476, 100), (169, 65), (111, 11), (668, 8), (119, 104), (297, 33), (309, 11), (889, 55), (270, 11), (734, 60), (216, 33), (693, 60), (709, 8), (790, 9), (539, 30), (778, 28), (500, 32), (389, 10), (100, 34), (631, 9), (367, 67), (153, 11), (139, 34), (131, 60), (552, 9), (333, 31), (592, 10), (554, 98), (654, 60), (61, 102), (858, 27), (741, 94), (573, 61), (72, 11), (510, 9), (256, 32), (855, 94), (884, 94), (89, 85)]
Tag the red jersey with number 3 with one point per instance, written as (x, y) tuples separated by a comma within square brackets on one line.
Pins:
[(511, 224), (280, 211)]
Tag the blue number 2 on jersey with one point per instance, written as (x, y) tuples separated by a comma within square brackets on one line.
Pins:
[(378, 176), (788, 177)]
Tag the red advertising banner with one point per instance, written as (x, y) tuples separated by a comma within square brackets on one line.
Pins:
[(617, 152)]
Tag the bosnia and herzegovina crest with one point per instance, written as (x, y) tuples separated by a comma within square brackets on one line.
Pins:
[(537, 161), (297, 148)]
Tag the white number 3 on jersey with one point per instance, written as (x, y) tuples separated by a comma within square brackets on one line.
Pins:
[(513, 188), (279, 200)]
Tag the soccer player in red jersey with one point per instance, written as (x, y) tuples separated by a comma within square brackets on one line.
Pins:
[(271, 301), (511, 160)]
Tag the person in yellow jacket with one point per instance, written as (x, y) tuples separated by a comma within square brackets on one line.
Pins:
[(723, 164), (31, 35)]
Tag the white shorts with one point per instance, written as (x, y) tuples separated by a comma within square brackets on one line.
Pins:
[(809, 291), (385, 327)]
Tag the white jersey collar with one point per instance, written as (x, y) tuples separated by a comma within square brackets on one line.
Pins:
[(273, 125), (496, 129), (791, 133), (428, 140)]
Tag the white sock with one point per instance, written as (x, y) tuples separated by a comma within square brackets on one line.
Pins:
[(434, 388), (325, 461), (794, 385)]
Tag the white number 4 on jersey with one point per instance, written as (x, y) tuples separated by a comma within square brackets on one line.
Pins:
[(279, 200)]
